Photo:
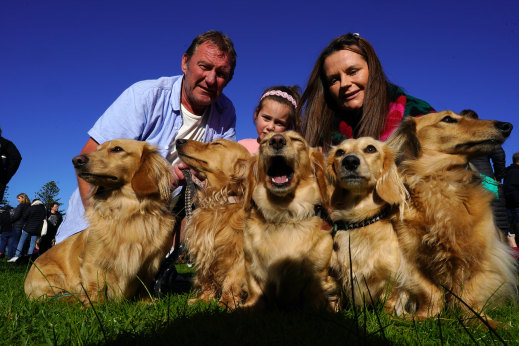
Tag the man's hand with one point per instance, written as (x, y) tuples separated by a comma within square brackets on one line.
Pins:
[(178, 175)]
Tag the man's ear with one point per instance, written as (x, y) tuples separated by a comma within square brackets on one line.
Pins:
[(185, 60)]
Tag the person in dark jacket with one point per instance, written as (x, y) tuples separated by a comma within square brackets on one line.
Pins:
[(10, 159), (511, 189), (11, 238), (33, 224), (5, 227), (495, 171), (54, 219)]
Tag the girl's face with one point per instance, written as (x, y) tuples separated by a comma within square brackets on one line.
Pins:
[(19, 199), (272, 117), (346, 75)]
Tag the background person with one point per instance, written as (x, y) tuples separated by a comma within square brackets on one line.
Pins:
[(160, 111), (275, 112), (11, 239), (511, 190), (54, 219), (5, 228), (33, 223), (349, 96), (493, 166), (10, 159)]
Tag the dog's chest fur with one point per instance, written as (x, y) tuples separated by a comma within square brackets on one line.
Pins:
[(449, 214)]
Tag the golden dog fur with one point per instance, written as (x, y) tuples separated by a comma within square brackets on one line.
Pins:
[(365, 183), (447, 233), (130, 228), (214, 234), (287, 252)]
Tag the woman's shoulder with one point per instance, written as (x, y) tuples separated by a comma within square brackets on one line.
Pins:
[(413, 106)]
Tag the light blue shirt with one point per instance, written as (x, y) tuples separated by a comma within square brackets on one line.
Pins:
[(148, 111)]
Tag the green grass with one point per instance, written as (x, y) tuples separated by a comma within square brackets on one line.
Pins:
[(171, 321)]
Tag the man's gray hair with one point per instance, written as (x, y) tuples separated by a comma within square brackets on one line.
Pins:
[(220, 40)]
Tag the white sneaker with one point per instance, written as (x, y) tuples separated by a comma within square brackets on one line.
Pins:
[(13, 259)]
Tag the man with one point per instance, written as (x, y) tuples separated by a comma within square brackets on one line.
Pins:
[(10, 159), (160, 111), (511, 188), (54, 219)]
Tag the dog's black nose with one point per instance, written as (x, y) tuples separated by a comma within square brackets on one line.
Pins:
[(79, 161), (277, 142), (351, 162), (504, 128), (180, 142)]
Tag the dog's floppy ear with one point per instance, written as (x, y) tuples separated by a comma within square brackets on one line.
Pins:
[(239, 177), (252, 178), (404, 141), (318, 167), (153, 175), (390, 186), (330, 169)]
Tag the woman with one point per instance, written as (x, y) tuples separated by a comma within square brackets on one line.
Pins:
[(349, 96), (33, 223), (11, 238)]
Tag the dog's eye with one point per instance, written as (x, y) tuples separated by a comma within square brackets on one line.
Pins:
[(370, 149), (116, 149), (216, 143), (339, 152), (449, 119)]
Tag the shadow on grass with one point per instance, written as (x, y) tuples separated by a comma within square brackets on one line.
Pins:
[(255, 328)]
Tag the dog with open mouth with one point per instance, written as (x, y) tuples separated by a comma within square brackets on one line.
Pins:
[(447, 232), (214, 233), (366, 192), (287, 245)]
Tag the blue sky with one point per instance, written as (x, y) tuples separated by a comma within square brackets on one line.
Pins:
[(62, 63)]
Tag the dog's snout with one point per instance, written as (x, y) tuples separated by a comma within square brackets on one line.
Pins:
[(180, 142), (277, 142), (79, 161), (504, 127), (351, 162)]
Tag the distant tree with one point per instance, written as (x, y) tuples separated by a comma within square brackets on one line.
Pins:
[(5, 200), (48, 194)]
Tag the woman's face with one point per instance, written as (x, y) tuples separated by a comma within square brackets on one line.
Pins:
[(272, 117), (19, 199), (346, 75)]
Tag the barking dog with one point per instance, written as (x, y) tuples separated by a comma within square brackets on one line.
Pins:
[(130, 228), (287, 251), (448, 232), (214, 234), (365, 193)]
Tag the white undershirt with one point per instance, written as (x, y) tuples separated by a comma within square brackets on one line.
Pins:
[(193, 127)]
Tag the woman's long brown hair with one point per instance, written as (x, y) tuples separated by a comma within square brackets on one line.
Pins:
[(317, 108)]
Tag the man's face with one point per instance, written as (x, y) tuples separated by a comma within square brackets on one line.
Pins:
[(205, 76), (54, 208)]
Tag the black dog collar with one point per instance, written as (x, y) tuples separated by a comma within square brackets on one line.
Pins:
[(341, 225)]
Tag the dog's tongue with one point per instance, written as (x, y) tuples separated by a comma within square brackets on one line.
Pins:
[(280, 179)]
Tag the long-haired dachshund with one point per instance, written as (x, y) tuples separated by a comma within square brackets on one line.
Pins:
[(448, 233), (287, 245), (214, 234), (366, 192), (130, 228)]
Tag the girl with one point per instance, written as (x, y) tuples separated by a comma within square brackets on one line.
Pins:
[(276, 112)]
